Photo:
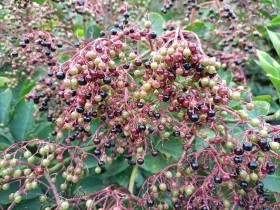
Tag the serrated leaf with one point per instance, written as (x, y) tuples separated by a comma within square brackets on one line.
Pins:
[(275, 39), (268, 64), (22, 121), (5, 100), (158, 22)]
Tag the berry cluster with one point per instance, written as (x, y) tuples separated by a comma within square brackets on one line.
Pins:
[(225, 19)]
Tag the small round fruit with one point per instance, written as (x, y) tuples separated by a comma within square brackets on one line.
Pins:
[(18, 199), (64, 205)]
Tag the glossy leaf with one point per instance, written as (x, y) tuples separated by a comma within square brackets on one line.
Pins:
[(275, 39), (5, 100), (22, 121), (269, 65)]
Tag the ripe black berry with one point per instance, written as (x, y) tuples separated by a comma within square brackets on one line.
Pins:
[(218, 179), (107, 80), (211, 113), (247, 146), (262, 142), (80, 109), (194, 117), (142, 127), (82, 81), (176, 133), (150, 202), (166, 97), (252, 165), (194, 166), (187, 66), (237, 159), (152, 35), (60, 75), (140, 161), (244, 184), (277, 138), (238, 151), (199, 68)]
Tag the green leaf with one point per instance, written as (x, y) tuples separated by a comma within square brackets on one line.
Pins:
[(267, 98), (93, 32), (89, 184), (27, 87), (158, 22), (268, 64), (172, 147), (153, 164), (5, 100), (6, 138), (3, 81), (261, 109), (28, 204), (4, 195), (275, 39), (198, 27), (272, 182), (276, 83), (118, 166), (275, 21), (22, 120)]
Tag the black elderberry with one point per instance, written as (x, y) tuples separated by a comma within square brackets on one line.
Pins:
[(142, 127), (244, 184), (82, 81), (194, 166), (102, 33), (60, 75), (176, 133), (218, 179), (199, 68), (166, 97), (238, 151), (107, 80), (140, 161), (97, 152), (150, 202), (152, 35), (248, 146), (211, 113), (277, 138), (101, 163), (237, 159), (194, 117), (80, 109), (187, 66), (252, 165)]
